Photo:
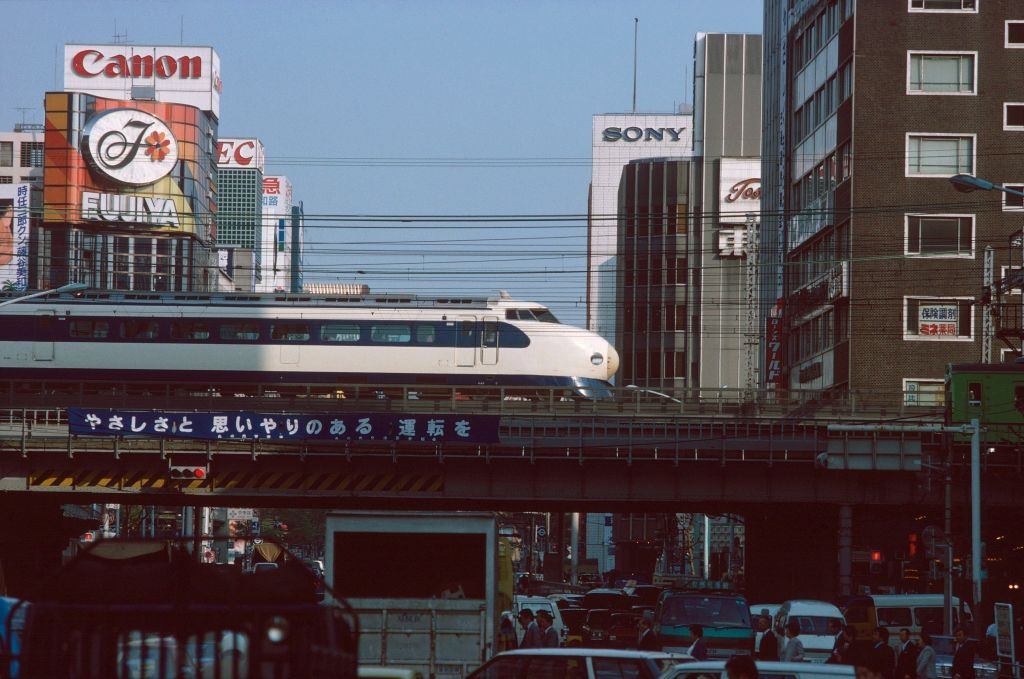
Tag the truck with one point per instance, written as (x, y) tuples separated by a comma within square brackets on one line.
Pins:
[(424, 585)]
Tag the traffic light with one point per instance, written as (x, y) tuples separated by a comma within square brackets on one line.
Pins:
[(875, 567), (189, 473)]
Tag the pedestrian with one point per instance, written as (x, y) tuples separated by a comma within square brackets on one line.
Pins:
[(841, 642), (507, 633), (647, 640), (548, 634), (531, 632), (882, 660), (766, 645), (697, 650), (741, 666), (963, 656), (906, 659), (793, 651), (926, 659)]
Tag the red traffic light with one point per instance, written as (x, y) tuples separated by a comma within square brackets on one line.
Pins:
[(200, 473), (876, 555), (189, 473)]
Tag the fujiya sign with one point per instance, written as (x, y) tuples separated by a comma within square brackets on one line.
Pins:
[(245, 154), (177, 74), (115, 207), (632, 134), (129, 147)]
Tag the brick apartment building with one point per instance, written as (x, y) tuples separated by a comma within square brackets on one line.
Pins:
[(870, 106)]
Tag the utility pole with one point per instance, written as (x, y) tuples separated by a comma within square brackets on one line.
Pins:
[(976, 547), (947, 585), (636, 28), (574, 542)]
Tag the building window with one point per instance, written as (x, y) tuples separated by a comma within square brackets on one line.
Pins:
[(944, 5), (1013, 116), (31, 154), (938, 319), (6, 154), (6, 179), (1014, 34), (940, 235), (928, 392), (941, 72), (939, 155), (1012, 203)]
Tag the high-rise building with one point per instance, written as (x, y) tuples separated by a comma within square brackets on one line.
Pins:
[(21, 155), (240, 220), (872, 106), (21, 183), (276, 241), (618, 139)]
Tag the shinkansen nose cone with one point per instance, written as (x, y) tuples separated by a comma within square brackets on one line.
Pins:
[(613, 361)]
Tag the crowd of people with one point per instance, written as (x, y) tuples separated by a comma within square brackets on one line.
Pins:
[(874, 658)]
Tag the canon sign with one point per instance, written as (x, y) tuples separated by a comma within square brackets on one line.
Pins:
[(244, 154), (176, 74)]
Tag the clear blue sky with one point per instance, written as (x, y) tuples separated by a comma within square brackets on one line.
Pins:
[(410, 80)]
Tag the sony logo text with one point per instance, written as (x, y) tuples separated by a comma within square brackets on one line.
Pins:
[(641, 133)]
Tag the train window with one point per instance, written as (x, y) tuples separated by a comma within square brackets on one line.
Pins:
[(974, 394), (544, 316), (512, 314), (190, 330), (392, 333), (90, 329), (339, 332), (133, 329), (426, 334), (289, 332), (245, 332), (489, 338)]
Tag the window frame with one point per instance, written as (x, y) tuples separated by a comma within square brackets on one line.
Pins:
[(1006, 35), (914, 10), (946, 255), (957, 135), (95, 324), (942, 53), (1006, 126), (384, 327), (240, 325), (277, 324), (915, 337), (926, 380), (325, 325), (1012, 185)]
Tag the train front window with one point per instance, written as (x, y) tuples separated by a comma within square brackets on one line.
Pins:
[(544, 315), (974, 394)]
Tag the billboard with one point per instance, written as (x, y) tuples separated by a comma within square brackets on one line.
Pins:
[(14, 237), (141, 164), (240, 154), (739, 189), (172, 74), (277, 234)]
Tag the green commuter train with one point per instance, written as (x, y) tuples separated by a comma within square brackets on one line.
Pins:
[(991, 392)]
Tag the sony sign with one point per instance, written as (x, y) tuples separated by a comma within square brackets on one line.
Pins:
[(243, 154), (129, 147), (631, 134), (177, 74)]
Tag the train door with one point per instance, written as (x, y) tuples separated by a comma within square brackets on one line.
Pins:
[(42, 344), (489, 341), (465, 341)]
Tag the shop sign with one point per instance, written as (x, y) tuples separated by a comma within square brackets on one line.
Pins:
[(810, 372), (129, 147), (938, 320), (246, 154), (634, 134), (117, 207)]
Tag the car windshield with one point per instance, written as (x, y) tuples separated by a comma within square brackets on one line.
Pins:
[(712, 611), (817, 625)]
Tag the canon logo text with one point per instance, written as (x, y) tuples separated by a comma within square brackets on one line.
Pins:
[(90, 63)]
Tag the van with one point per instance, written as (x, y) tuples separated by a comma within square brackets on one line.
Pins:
[(724, 616), (819, 623), (898, 611), (775, 670), (537, 604)]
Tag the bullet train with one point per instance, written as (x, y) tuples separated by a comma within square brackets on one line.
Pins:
[(298, 339)]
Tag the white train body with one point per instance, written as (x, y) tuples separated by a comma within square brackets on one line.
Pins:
[(298, 339)]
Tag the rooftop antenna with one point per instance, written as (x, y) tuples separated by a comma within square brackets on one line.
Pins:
[(120, 38), (636, 28), (181, 29), (24, 110)]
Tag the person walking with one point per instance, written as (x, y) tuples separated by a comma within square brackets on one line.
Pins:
[(906, 660), (793, 651), (531, 632), (840, 644), (963, 656), (741, 666), (647, 639), (926, 659), (766, 645), (697, 650), (883, 659), (548, 634)]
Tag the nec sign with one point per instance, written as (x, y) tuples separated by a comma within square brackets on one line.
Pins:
[(632, 134)]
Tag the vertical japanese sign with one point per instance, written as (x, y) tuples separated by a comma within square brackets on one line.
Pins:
[(1005, 647), (938, 320), (14, 236)]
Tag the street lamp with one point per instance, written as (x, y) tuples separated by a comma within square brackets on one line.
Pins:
[(633, 387), (965, 183), (70, 287)]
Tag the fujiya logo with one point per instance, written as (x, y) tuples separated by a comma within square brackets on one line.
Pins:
[(129, 147)]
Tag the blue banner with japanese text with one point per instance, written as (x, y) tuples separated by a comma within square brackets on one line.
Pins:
[(244, 425)]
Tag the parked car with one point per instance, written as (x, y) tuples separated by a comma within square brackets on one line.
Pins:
[(608, 598), (647, 595), (574, 619), (715, 669), (622, 632), (596, 627), (578, 663), (943, 645)]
